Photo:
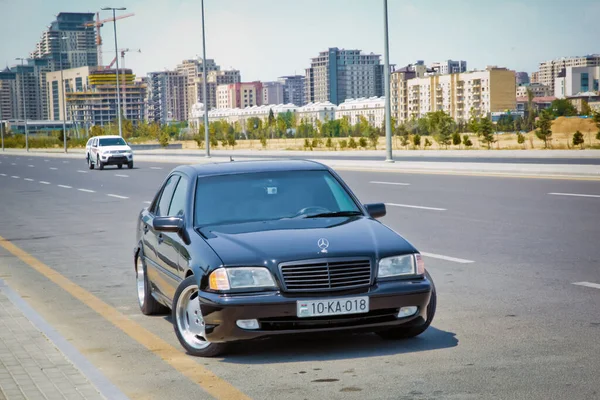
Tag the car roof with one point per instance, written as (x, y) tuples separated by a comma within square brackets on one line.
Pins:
[(242, 167)]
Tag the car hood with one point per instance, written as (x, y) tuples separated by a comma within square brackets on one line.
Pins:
[(114, 148), (272, 242)]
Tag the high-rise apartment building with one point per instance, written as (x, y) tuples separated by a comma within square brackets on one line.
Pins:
[(91, 95), (239, 95), (337, 74), (30, 94), (577, 80), (535, 77), (293, 89), (8, 88), (492, 90), (166, 96), (449, 67), (399, 90), (77, 49), (549, 70), (272, 93)]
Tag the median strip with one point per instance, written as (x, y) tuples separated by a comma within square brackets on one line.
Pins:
[(447, 258), (588, 284), (419, 207), (575, 195)]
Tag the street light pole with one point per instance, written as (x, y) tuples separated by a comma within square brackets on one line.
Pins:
[(1, 126), (388, 108), (117, 59), (206, 135), (24, 103), (64, 95)]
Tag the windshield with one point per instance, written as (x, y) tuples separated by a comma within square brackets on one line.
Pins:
[(111, 142), (268, 196)]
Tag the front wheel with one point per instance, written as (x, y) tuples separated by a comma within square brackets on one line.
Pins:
[(406, 333), (99, 163), (120, 166), (130, 165), (188, 321)]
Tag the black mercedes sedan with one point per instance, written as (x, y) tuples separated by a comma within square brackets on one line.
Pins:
[(250, 249)]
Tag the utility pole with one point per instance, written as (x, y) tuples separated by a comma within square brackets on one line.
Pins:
[(1, 126), (64, 94), (24, 103), (117, 55), (388, 108), (206, 136)]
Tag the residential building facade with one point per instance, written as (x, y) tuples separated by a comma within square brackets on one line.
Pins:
[(312, 112), (399, 91), (166, 97), (550, 70), (293, 89), (449, 67), (538, 90), (491, 90), (272, 93), (522, 78), (239, 95), (575, 80), (8, 88), (338, 74), (30, 91), (238, 115), (535, 77), (372, 108)]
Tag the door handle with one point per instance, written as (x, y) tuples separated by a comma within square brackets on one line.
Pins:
[(160, 238), (145, 228)]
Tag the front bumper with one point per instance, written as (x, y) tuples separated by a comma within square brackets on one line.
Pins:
[(116, 159), (276, 311)]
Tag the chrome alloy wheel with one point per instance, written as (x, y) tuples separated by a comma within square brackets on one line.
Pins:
[(189, 319), (141, 281)]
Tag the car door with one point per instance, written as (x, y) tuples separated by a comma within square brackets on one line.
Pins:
[(94, 150), (159, 273)]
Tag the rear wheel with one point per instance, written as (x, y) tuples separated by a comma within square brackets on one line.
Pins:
[(188, 321), (90, 163), (410, 332), (147, 302)]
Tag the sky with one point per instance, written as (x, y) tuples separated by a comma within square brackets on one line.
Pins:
[(266, 39)]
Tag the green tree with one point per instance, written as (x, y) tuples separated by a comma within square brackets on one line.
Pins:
[(562, 108), (329, 143), (444, 132), (404, 141), (596, 119), (344, 126), (127, 128), (427, 143), (417, 140), (307, 144), (467, 142), (271, 122), (585, 108), (518, 124), (456, 139), (486, 131), (231, 139), (142, 130), (520, 138), (473, 123), (263, 141), (362, 142), (343, 144), (164, 138), (578, 139), (352, 143), (531, 111), (97, 130), (199, 139), (544, 125)]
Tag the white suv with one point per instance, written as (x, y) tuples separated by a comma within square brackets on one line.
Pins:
[(108, 150)]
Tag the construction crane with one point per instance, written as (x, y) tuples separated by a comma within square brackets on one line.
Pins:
[(122, 51), (100, 23)]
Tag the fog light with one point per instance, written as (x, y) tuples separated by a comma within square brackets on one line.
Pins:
[(247, 323), (407, 311)]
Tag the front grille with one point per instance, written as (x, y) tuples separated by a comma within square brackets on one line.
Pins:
[(326, 275), (331, 321)]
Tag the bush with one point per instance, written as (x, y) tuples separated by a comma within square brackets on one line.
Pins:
[(520, 138), (467, 142), (329, 143), (315, 143), (263, 141), (164, 138), (199, 139), (427, 143), (417, 140), (578, 139), (307, 144), (343, 144), (352, 143), (362, 142)]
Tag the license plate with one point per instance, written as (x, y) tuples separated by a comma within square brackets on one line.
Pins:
[(319, 308)]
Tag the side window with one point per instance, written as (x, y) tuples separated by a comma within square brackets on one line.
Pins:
[(177, 206), (162, 206)]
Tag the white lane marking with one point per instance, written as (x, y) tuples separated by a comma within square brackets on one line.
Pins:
[(65, 186), (46, 160), (12, 163), (411, 206), (31, 166), (122, 176), (117, 196), (155, 167), (65, 162), (28, 179), (147, 202), (45, 183), (87, 190), (390, 183), (447, 258), (575, 195), (588, 284), (3, 174), (53, 168), (14, 176), (81, 172)]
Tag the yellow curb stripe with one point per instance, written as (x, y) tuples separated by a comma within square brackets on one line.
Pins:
[(212, 384)]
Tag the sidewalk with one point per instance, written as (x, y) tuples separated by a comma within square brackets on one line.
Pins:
[(31, 366)]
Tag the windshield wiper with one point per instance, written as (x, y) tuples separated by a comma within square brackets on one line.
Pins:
[(335, 214)]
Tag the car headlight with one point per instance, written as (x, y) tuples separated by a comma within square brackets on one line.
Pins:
[(240, 278), (409, 264)]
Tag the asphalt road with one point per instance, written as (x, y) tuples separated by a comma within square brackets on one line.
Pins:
[(504, 254), (358, 157)]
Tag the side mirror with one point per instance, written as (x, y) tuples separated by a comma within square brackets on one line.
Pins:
[(376, 210), (167, 224)]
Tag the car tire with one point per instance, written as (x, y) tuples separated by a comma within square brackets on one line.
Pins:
[(188, 322), (411, 332), (147, 302), (99, 163), (130, 165), (120, 166), (90, 163)]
